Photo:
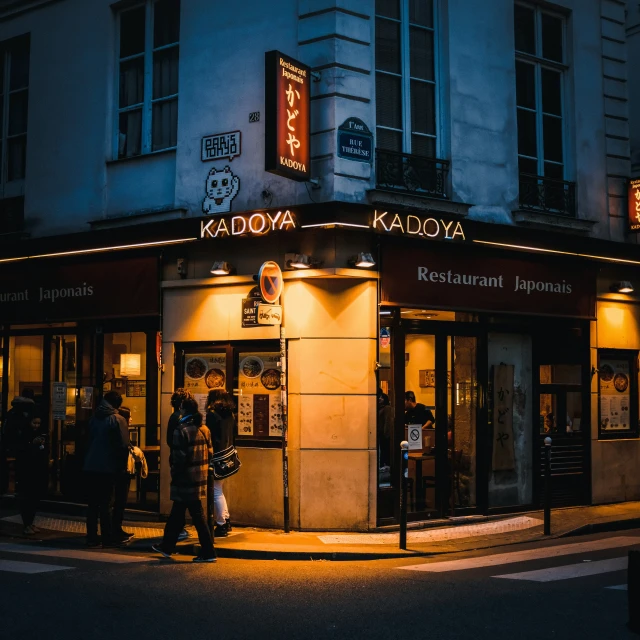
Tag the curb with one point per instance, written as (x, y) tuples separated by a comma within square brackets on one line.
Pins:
[(602, 527)]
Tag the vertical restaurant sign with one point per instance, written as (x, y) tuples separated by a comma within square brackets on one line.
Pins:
[(287, 121), (634, 205)]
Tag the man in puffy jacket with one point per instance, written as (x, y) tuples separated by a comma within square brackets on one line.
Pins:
[(104, 464)]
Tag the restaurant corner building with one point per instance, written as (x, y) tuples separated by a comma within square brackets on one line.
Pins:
[(427, 242)]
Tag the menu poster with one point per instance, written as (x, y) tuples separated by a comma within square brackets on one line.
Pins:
[(259, 403), (615, 398), (205, 371)]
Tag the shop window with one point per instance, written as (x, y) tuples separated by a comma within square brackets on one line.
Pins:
[(617, 394), (125, 371), (148, 55)]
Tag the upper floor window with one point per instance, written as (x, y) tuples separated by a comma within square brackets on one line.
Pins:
[(14, 100), (149, 35), (540, 41), (406, 76)]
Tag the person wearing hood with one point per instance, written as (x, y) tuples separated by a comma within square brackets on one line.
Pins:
[(190, 454), (222, 425), (32, 468), (15, 422), (105, 462)]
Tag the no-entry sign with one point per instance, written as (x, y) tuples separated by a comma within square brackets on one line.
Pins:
[(270, 282)]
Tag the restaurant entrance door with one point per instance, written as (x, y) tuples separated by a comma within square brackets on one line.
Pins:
[(433, 384)]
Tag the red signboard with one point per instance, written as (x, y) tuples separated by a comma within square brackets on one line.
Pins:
[(467, 279), (634, 205), (287, 117), (47, 290)]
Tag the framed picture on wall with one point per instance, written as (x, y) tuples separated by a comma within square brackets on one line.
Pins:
[(118, 384)]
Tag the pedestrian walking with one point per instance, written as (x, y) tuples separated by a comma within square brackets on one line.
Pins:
[(32, 469), (105, 462), (121, 492), (177, 397), (222, 424), (190, 455)]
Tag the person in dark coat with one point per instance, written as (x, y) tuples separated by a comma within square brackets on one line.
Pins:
[(16, 420), (191, 452), (222, 424), (105, 461), (177, 398), (121, 491), (32, 468)]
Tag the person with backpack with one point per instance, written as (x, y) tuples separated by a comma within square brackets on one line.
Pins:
[(190, 454)]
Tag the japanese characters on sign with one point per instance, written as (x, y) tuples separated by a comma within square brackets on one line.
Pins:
[(503, 458), (221, 145), (287, 132), (634, 205)]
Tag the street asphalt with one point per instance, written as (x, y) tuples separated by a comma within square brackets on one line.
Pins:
[(57, 591)]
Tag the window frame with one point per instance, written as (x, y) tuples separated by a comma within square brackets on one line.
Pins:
[(539, 63), (406, 78), (148, 101), (631, 357), (11, 188)]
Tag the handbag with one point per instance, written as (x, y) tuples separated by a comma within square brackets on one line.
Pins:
[(225, 463)]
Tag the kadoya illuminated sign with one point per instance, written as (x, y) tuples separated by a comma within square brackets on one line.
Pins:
[(413, 225), (252, 224), (287, 117)]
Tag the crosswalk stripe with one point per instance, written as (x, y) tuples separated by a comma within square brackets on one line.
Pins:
[(619, 587), (75, 554), (568, 571), (523, 556), (15, 566)]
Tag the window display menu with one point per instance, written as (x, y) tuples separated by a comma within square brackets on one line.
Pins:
[(259, 402), (615, 398)]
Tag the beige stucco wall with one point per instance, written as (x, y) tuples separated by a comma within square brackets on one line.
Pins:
[(330, 325), (615, 463)]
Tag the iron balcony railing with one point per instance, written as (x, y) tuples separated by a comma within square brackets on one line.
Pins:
[(416, 174), (538, 193)]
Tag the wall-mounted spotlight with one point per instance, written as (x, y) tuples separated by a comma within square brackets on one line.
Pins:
[(220, 268), (362, 261), (300, 261), (624, 286)]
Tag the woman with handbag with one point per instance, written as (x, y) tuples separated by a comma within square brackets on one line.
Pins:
[(222, 424)]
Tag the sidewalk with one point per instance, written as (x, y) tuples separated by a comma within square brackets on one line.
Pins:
[(444, 536)]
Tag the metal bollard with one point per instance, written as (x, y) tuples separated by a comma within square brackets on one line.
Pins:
[(404, 476), (210, 479), (633, 586), (547, 486)]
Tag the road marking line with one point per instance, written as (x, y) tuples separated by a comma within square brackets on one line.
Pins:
[(14, 566), (76, 554), (524, 556), (619, 587), (569, 571)]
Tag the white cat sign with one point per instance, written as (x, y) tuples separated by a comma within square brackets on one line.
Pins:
[(221, 188)]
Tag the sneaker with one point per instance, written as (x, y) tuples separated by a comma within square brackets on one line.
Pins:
[(158, 549), (125, 536), (28, 531), (202, 559), (229, 527), (184, 535), (221, 531)]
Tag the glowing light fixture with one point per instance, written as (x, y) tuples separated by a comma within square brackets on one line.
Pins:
[(221, 268), (300, 261), (363, 261), (130, 364), (624, 286)]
